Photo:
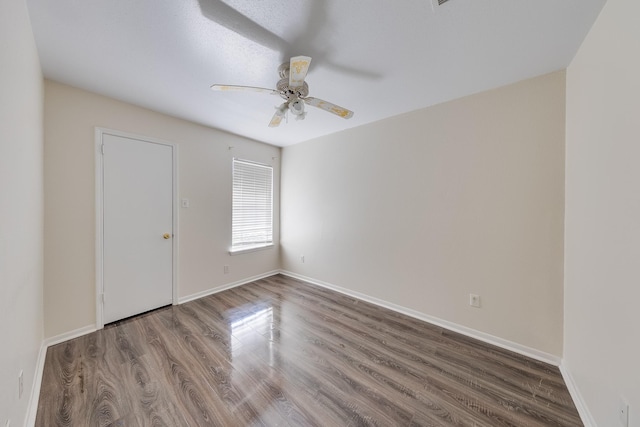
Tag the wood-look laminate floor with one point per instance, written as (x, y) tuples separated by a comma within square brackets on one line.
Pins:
[(280, 352)]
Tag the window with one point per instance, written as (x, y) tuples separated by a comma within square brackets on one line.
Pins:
[(252, 216)]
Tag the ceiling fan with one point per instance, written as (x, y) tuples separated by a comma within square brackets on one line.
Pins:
[(294, 90)]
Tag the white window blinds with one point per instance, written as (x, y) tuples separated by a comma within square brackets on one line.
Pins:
[(252, 218)]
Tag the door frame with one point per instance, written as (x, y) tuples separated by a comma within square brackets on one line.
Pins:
[(99, 183)]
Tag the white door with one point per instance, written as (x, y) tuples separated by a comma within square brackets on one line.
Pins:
[(137, 226)]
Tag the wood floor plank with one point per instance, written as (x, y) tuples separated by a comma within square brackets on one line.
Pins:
[(470, 363), (282, 352)]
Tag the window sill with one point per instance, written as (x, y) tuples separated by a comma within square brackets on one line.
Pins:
[(250, 249)]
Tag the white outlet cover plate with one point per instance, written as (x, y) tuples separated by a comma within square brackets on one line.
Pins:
[(474, 300)]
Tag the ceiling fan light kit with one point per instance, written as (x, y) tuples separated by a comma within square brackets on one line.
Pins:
[(294, 90)]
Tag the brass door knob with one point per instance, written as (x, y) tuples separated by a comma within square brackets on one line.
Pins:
[(166, 236)]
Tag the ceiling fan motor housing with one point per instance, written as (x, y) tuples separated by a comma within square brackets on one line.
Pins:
[(286, 92), (290, 93)]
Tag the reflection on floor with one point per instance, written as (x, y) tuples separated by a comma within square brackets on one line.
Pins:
[(279, 351)]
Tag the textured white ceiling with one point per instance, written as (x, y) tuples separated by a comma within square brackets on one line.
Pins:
[(378, 58)]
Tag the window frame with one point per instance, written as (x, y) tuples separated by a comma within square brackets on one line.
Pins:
[(261, 200)]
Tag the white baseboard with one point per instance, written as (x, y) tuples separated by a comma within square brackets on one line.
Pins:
[(215, 290), (479, 335), (578, 400), (32, 406), (48, 342)]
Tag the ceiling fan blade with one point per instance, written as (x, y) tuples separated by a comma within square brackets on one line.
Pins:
[(298, 67), (232, 88), (327, 106), (278, 116)]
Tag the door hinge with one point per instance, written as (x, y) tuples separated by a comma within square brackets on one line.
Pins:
[(101, 148), (102, 296)]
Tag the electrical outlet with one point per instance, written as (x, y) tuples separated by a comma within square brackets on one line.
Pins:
[(474, 300), (623, 413), (226, 269), (302, 258), (20, 384)]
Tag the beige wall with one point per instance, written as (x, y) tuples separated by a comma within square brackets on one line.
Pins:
[(21, 325), (602, 258), (204, 176), (422, 209)]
